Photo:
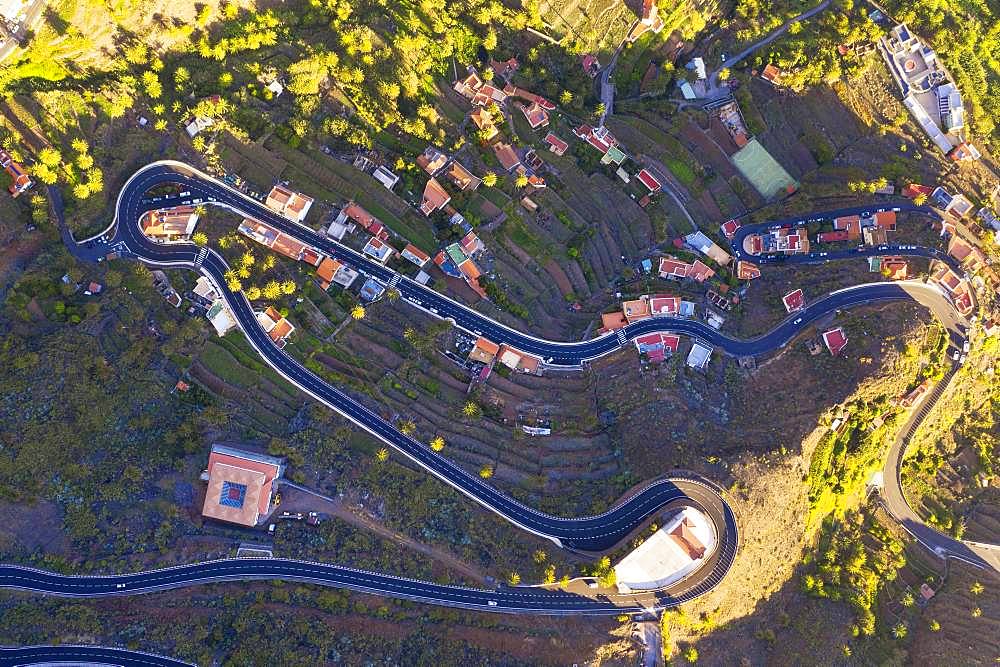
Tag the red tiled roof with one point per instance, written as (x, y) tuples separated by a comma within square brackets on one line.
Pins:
[(835, 340), (648, 180), (558, 145), (886, 220), (673, 267), (700, 271), (729, 228), (794, 300), (914, 189), (831, 237), (664, 305)]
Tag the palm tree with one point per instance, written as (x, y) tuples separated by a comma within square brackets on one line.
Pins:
[(486, 471), (247, 259), (288, 287), (977, 612), (472, 409), (976, 588), (407, 427), (437, 444), (272, 290), (358, 312), (514, 578), (899, 630), (393, 294), (382, 455), (200, 210), (200, 238), (253, 293), (934, 625)]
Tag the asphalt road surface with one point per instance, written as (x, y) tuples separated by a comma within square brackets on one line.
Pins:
[(83, 655), (589, 534), (985, 556)]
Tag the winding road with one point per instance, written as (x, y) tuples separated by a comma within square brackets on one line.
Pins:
[(594, 534)]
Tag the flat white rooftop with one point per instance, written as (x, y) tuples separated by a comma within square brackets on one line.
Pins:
[(670, 554)]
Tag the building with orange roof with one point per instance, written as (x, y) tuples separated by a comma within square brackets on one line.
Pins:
[(850, 224), (613, 321), (240, 485), (311, 256), (506, 156), (414, 254), (293, 205), (771, 74), (288, 246), (275, 326), (971, 257), (435, 197), (484, 351), (635, 310), (332, 271), (747, 270), (462, 177), (886, 220), (19, 178), (432, 160)]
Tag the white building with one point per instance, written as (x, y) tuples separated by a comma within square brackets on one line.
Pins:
[(197, 124), (385, 177), (220, 317), (673, 552), (699, 356)]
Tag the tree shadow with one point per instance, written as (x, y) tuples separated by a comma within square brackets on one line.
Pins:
[(58, 23)]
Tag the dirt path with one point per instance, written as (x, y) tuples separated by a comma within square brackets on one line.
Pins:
[(300, 498)]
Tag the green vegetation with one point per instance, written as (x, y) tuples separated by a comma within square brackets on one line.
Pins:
[(844, 459), (967, 37), (852, 562)]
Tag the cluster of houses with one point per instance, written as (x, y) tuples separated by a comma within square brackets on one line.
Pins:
[(871, 229), (612, 153), (19, 178), (535, 108), (459, 260)]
